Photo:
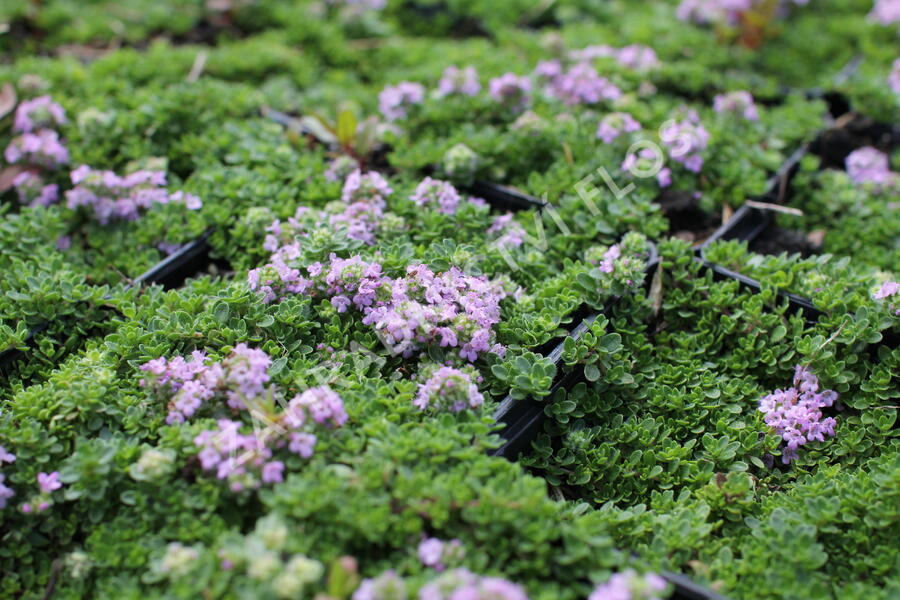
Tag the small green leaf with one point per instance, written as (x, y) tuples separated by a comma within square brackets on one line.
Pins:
[(346, 127)]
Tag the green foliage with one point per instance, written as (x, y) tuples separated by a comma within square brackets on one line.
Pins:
[(654, 443)]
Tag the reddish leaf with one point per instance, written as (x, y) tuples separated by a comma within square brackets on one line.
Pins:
[(7, 100), (8, 174)]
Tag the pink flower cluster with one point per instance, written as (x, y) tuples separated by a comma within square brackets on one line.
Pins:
[(581, 84), (449, 389), (239, 378), (449, 309), (887, 290), (246, 460), (459, 81), (645, 162), (796, 413), (628, 585), (722, 11), (685, 140), (609, 257), (511, 90), (47, 484), (509, 234), (713, 11), (394, 99), (736, 103), (39, 144), (633, 56), (615, 124), (886, 12), (457, 584), (439, 554), (439, 194), (423, 308), (364, 196), (621, 264), (5, 492), (894, 77), (32, 190), (869, 165), (346, 282), (41, 148), (370, 187), (39, 113), (111, 196), (461, 584)]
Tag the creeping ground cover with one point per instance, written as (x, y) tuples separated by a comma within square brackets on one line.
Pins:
[(412, 300)]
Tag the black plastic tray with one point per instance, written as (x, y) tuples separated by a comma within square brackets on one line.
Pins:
[(525, 418), (170, 272), (498, 196), (686, 589), (503, 197)]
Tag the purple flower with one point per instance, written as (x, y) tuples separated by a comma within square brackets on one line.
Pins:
[(738, 103), (387, 586), (614, 124), (511, 90), (272, 472), (459, 81), (664, 177), (886, 12), (341, 303), (63, 243), (408, 312), (509, 233), (39, 113), (5, 492), (643, 163), (795, 413), (371, 188), (461, 584), (440, 194), (394, 100), (713, 11), (609, 257), (111, 196), (548, 70), (888, 288), (868, 165), (42, 148), (634, 56), (321, 404), (685, 139), (448, 389), (6, 456), (638, 57), (48, 482), (430, 550), (894, 77), (302, 444), (438, 555), (581, 84), (628, 585), (593, 52)]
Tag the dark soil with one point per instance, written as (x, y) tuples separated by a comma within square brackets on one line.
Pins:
[(853, 132), (775, 240), (687, 220)]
